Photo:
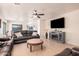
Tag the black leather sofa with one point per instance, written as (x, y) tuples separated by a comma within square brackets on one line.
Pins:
[(25, 36), (29, 33), (6, 48)]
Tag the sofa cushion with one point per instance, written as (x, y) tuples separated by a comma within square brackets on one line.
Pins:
[(22, 38), (26, 33), (34, 34)]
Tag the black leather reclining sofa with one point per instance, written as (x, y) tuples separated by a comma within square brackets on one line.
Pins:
[(25, 36), (6, 47)]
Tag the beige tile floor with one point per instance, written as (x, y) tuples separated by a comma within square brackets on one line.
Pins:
[(50, 48)]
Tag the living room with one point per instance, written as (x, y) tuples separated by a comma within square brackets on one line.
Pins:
[(35, 19)]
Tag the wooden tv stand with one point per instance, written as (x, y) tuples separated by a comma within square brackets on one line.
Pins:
[(57, 35)]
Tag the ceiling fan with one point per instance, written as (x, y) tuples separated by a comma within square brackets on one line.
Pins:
[(37, 14)]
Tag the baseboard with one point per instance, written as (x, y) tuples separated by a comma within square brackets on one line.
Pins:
[(72, 43)]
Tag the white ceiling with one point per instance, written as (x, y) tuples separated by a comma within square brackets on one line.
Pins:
[(12, 11)]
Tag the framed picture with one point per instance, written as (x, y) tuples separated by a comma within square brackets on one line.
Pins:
[(16, 27)]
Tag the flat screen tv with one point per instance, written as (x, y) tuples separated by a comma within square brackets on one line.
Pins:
[(58, 23)]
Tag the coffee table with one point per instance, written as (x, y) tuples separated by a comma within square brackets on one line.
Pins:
[(34, 42)]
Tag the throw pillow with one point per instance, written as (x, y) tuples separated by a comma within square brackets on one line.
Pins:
[(18, 34), (14, 36), (2, 44), (34, 34)]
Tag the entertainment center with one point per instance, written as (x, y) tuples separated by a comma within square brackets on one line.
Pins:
[(56, 34)]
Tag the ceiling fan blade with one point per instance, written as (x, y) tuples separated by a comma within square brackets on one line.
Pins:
[(40, 14)]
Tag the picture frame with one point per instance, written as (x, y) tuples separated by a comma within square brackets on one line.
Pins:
[(16, 27)]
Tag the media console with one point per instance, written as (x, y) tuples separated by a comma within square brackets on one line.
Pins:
[(57, 35)]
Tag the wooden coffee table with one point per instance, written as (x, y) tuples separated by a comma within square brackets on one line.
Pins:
[(34, 42)]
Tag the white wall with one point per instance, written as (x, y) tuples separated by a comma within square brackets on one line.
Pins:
[(71, 27), (44, 27), (2, 20)]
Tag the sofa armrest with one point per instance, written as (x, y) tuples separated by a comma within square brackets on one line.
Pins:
[(75, 53), (75, 48)]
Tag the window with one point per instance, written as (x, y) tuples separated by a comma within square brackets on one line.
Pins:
[(29, 27), (4, 28)]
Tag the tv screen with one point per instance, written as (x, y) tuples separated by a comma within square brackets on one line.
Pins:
[(58, 23)]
